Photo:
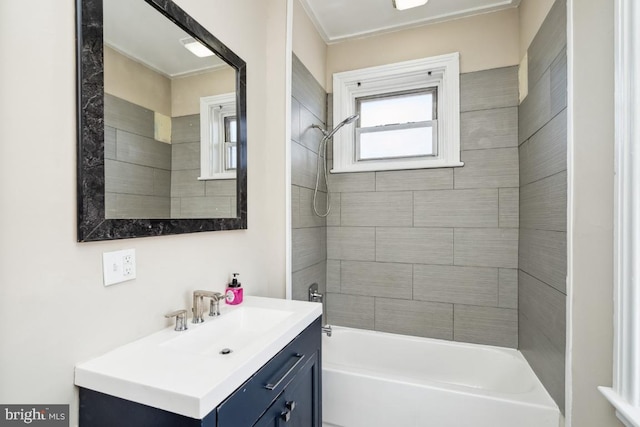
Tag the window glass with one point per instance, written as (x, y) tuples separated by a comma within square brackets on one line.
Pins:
[(397, 143), (391, 109), (230, 130), (230, 156)]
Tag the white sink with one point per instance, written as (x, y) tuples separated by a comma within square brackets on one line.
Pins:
[(188, 372), (233, 331)]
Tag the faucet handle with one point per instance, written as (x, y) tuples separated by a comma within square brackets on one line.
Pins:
[(214, 305), (181, 319)]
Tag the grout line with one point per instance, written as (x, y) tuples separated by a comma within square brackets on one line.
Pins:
[(543, 178), (453, 322), (499, 206)]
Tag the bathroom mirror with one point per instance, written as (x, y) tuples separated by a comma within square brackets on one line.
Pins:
[(161, 130)]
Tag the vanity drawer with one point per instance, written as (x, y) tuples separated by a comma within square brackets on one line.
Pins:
[(245, 406)]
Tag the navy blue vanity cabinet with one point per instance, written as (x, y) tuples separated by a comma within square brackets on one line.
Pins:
[(103, 410), (285, 392), (295, 406)]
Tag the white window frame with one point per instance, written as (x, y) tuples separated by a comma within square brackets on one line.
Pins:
[(442, 72), (625, 393), (213, 111)]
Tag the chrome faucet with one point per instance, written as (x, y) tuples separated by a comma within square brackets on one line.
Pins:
[(181, 319), (198, 304)]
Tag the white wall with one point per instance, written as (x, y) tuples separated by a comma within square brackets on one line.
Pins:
[(484, 41), (308, 45), (591, 172), (54, 310)]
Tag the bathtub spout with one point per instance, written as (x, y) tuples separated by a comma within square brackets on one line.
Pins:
[(326, 329)]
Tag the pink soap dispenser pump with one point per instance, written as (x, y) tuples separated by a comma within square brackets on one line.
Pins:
[(233, 294)]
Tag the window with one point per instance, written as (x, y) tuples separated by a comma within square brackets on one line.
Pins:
[(218, 137), (397, 125), (230, 139), (409, 116)]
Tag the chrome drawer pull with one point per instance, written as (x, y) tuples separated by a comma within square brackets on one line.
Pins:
[(272, 386)]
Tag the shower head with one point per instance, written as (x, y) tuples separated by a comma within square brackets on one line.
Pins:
[(346, 121)]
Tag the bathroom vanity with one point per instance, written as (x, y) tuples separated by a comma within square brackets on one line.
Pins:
[(258, 364)]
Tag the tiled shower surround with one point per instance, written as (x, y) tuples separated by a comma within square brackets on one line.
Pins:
[(309, 234), (476, 253), (543, 205), (429, 252), (146, 178), (434, 252)]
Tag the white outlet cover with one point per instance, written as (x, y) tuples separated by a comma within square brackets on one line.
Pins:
[(119, 266)]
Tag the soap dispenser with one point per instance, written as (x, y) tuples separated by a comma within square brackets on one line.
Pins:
[(234, 292)]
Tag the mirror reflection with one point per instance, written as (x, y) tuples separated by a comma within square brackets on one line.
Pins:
[(170, 120)]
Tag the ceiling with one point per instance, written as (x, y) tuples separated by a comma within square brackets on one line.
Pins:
[(155, 44), (340, 20)]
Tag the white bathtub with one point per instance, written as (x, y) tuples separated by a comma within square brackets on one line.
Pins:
[(373, 379)]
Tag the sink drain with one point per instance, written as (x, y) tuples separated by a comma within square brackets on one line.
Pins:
[(225, 351)]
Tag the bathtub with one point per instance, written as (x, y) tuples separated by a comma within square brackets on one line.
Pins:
[(373, 379)]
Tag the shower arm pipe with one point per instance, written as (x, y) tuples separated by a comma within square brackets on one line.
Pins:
[(322, 152)]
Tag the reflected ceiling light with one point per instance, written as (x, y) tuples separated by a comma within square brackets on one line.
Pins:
[(408, 4), (195, 47)]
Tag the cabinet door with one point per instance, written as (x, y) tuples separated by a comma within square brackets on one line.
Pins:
[(298, 405), (247, 404), (302, 397), (273, 415)]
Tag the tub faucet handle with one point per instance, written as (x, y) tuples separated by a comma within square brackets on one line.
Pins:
[(181, 319), (314, 295)]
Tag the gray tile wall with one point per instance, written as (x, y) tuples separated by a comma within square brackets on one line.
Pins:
[(309, 231), (543, 205), (137, 167), (434, 252)]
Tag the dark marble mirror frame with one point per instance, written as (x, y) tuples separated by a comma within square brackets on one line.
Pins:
[(92, 224)]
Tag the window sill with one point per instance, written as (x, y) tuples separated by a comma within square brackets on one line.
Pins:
[(217, 176), (395, 165), (628, 414)]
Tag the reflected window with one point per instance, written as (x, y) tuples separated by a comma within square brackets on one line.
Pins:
[(230, 139), (218, 137)]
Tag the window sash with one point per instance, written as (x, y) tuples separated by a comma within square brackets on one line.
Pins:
[(230, 132), (433, 124), (230, 156), (398, 127), (431, 90)]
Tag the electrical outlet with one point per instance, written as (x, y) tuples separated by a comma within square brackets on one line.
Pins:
[(119, 266)]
